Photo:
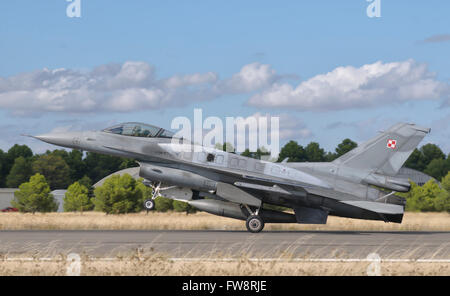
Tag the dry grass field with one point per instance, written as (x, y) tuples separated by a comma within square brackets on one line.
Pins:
[(204, 221), (158, 266)]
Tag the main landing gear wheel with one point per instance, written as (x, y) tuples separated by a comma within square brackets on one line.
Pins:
[(254, 223), (149, 204)]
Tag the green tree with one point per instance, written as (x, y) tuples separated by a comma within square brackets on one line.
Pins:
[(55, 170), (99, 166), (19, 173), (344, 147), (430, 152), (74, 160), (163, 204), (34, 196), (86, 182), (2, 165), (128, 163), (420, 159), (427, 198), (119, 195), (438, 168), (77, 198), (294, 151), (17, 151), (314, 153), (415, 161), (442, 201), (445, 183), (7, 160), (180, 206)]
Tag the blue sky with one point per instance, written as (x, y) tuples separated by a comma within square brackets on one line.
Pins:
[(324, 67)]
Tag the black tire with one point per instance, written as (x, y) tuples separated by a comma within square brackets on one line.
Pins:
[(149, 204), (254, 224)]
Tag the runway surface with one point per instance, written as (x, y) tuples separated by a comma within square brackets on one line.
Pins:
[(211, 244)]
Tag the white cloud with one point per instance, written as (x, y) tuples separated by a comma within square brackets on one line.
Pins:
[(290, 127), (134, 86), (252, 77), (192, 79), (349, 87), (131, 86)]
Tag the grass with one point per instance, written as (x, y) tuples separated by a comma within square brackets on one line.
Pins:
[(203, 221), (214, 263), (157, 266)]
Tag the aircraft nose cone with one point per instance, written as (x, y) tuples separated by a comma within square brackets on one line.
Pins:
[(70, 140)]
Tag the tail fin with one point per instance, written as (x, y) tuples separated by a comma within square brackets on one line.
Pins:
[(386, 153)]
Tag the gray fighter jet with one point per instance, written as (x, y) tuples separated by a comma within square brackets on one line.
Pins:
[(360, 184)]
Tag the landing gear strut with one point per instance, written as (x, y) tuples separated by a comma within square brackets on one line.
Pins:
[(254, 222), (149, 204)]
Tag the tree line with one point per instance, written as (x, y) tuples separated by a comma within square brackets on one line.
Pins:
[(60, 167), (117, 195)]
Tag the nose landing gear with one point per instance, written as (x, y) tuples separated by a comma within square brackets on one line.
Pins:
[(149, 204)]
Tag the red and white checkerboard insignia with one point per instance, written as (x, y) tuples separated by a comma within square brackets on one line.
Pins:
[(392, 144)]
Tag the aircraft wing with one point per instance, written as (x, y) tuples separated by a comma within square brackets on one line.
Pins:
[(288, 188), (277, 181)]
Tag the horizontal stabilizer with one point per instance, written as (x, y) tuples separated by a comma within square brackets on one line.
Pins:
[(377, 207)]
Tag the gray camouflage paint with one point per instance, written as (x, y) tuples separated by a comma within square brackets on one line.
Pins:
[(344, 187)]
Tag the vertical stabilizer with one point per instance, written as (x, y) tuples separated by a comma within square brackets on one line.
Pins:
[(386, 153)]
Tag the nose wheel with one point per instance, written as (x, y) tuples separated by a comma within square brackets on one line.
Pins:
[(149, 204), (254, 224)]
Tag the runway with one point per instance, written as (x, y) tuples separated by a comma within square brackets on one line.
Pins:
[(230, 244)]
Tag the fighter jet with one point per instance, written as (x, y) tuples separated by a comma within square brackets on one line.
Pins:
[(360, 184)]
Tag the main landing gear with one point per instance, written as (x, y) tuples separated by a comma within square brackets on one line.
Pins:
[(254, 222), (149, 204)]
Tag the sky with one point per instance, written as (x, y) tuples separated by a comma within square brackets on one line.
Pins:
[(325, 68)]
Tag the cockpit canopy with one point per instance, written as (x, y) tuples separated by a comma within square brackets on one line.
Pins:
[(136, 129)]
